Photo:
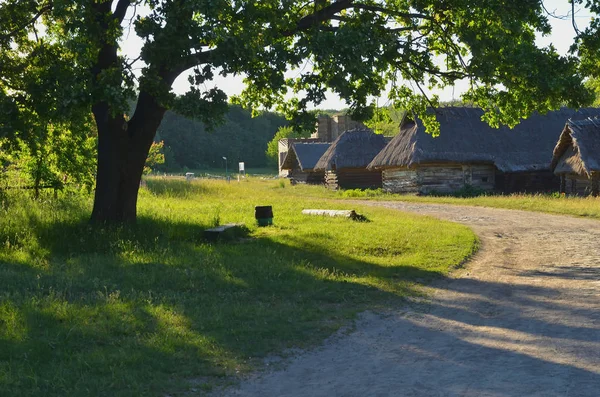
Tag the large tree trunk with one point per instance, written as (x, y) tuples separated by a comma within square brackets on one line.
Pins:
[(122, 145), (122, 150)]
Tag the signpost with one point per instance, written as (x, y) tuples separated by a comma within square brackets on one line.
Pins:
[(242, 170)]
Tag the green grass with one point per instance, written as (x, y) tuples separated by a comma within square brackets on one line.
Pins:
[(232, 171), (153, 309), (552, 203)]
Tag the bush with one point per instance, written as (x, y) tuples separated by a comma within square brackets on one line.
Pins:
[(362, 193), (467, 191)]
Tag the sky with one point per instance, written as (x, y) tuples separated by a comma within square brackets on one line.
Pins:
[(561, 37)]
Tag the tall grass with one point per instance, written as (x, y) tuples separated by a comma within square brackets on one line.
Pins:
[(153, 309)]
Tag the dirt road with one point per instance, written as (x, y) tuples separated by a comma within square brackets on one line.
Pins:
[(523, 319)]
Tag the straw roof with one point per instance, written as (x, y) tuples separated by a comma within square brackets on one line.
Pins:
[(353, 149), (307, 155), (464, 138), (578, 148)]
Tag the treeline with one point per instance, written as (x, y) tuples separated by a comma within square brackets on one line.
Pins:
[(189, 145)]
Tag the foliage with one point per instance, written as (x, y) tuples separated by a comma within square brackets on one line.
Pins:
[(467, 191), (272, 152), (61, 58), (354, 193), (151, 310), (188, 143), (386, 121), (54, 155), (587, 45), (594, 85), (155, 157)]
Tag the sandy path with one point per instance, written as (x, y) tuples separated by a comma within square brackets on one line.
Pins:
[(522, 320)]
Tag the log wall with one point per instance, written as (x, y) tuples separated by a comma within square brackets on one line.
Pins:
[(353, 178), (400, 180), (580, 185), (527, 182), (439, 178), (312, 178)]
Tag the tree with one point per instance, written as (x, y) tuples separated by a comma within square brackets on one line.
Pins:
[(352, 47), (155, 156), (594, 85), (272, 151), (386, 121)]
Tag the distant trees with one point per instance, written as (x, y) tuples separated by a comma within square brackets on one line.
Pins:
[(190, 144)]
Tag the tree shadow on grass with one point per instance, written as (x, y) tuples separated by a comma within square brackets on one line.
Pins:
[(140, 310), (143, 310)]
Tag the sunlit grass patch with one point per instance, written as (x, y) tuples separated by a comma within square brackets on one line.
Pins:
[(552, 203)]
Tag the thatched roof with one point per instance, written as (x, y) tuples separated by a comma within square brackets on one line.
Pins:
[(353, 149), (464, 138), (306, 154), (578, 148)]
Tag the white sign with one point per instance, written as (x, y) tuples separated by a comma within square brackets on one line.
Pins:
[(241, 166)]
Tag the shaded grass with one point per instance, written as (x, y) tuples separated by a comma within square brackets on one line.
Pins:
[(148, 309)]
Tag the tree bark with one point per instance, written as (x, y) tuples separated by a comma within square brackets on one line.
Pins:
[(122, 151), (123, 145)]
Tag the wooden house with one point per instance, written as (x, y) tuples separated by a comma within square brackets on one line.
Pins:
[(345, 162), (468, 152), (300, 161), (576, 157), (284, 145)]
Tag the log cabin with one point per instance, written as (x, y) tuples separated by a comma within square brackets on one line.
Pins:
[(576, 157), (468, 152), (345, 162), (284, 145), (300, 161)]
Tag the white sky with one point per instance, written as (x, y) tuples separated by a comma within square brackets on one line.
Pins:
[(561, 37)]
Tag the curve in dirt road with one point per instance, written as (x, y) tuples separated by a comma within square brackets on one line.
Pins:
[(523, 319)]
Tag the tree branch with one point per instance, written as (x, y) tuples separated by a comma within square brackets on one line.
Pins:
[(321, 15), (196, 59), (573, 18), (40, 12), (121, 10), (383, 10)]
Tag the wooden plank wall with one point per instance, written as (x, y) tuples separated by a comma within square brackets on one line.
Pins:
[(331, 180), (480, 176), (353, 178), (580, 185), (527, 182), (441, 178), (313, 178), (400, 180)]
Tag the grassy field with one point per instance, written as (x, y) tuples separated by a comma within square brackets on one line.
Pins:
[(550, 203), (232, 171), (153, 309)]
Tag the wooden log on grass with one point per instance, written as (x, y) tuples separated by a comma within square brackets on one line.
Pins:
[(341, 213)]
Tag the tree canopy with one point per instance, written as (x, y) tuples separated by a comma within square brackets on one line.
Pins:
[(60, 59)]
